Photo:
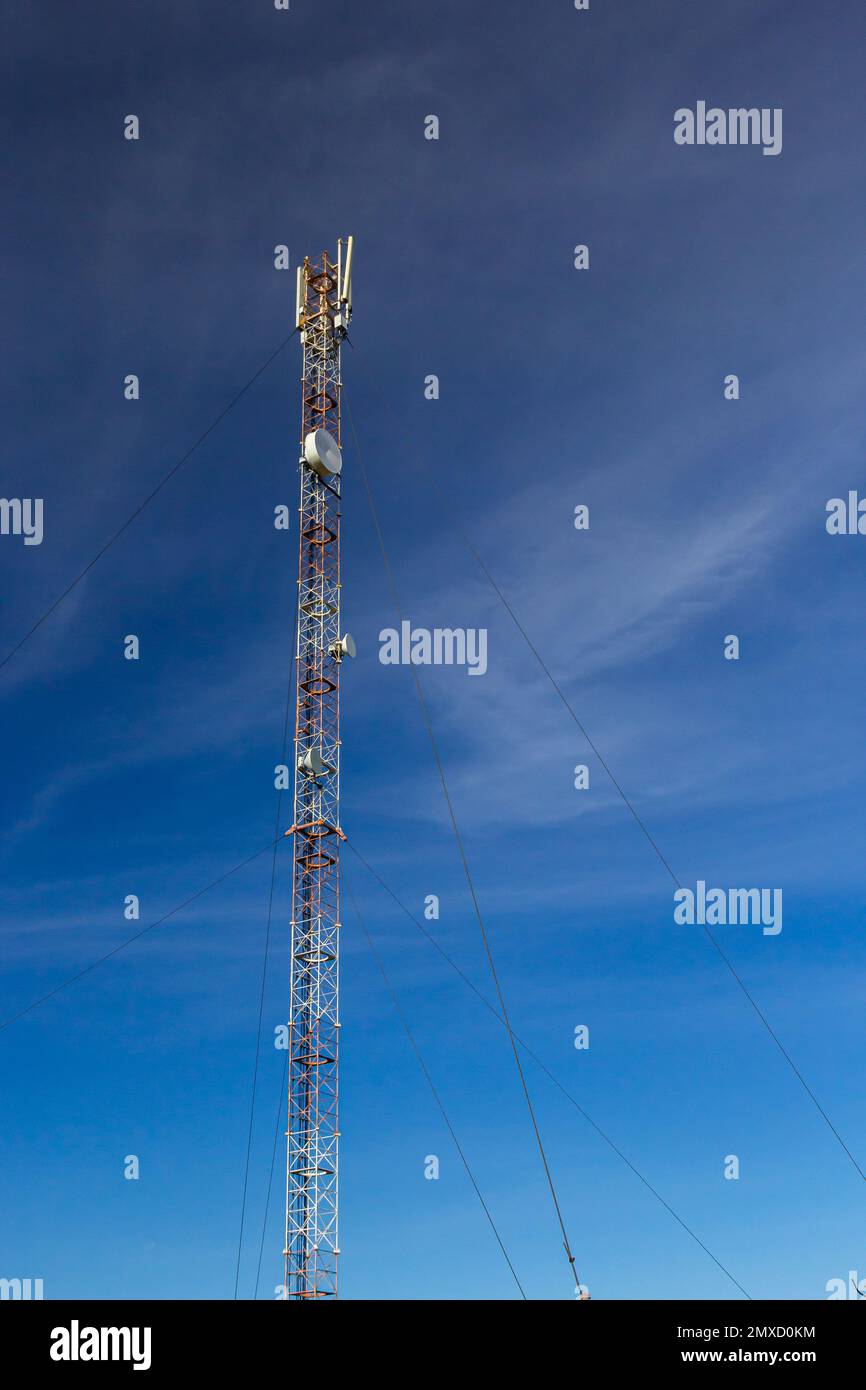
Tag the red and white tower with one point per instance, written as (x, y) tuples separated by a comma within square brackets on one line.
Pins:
[(323, 309)]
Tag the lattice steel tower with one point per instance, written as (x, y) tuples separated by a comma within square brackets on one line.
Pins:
[(323, 308)]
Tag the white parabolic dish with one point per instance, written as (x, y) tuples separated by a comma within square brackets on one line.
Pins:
[(322, 453), (312, 762)]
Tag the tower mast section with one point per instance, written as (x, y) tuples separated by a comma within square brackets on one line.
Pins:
[(323, 308)]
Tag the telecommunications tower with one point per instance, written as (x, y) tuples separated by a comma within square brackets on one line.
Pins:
[(323, 309)]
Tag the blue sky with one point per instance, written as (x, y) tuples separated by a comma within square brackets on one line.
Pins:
[(558, 387)]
